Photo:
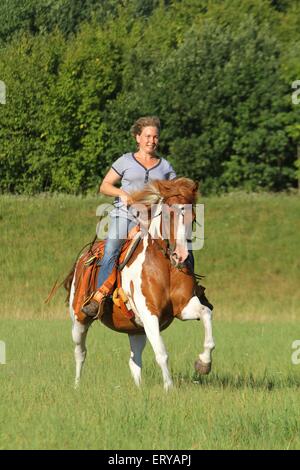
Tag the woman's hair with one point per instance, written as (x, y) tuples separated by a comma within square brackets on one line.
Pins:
[(142, 122)]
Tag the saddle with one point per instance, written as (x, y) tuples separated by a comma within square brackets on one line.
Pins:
[(87, 269)]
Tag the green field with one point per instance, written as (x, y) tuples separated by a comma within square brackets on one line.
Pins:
[(250, 400)]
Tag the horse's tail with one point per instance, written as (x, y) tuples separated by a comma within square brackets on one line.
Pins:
[(67, 282)]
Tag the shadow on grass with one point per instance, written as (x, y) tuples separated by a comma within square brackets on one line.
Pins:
[(238, 381)]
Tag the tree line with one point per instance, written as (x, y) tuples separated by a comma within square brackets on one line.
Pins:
[(218, 73)]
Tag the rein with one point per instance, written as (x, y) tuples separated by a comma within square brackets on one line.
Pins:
[(168, 251)]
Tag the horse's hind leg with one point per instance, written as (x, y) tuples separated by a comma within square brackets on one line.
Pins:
[(79, 333), (137, 344)]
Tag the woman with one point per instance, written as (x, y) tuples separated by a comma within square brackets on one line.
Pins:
[(133, 170)]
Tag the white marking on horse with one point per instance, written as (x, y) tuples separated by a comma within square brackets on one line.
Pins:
[(133, 274), (137, 344), (181, 249), (79, 333), (194, 310)]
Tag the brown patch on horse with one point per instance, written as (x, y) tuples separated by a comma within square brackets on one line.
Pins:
[(184, 188), (182, 286), (156, 280), (131, 288), (114, 319)]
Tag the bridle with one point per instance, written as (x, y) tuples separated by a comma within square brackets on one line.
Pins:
[(168, 249)]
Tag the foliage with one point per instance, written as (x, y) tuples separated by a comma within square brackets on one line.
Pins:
[(29, 69), (217, 73), (40, 16)]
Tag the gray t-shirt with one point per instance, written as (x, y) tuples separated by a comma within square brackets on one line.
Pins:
[(134, 176)]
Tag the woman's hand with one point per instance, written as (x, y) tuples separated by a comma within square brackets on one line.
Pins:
[(109, 187)]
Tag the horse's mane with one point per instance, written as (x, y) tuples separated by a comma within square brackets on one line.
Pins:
[(163, 190)]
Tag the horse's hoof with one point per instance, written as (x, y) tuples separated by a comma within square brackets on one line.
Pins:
[(168, 386), (202, 368)]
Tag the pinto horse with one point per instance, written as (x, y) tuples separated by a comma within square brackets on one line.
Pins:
[(158, 284)]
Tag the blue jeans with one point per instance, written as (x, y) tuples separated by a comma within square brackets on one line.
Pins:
[(117, 234)]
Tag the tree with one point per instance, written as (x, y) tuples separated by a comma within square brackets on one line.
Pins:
[(75, 128), (29, 66)]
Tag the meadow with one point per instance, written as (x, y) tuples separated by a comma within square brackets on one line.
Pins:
[(250, 400)]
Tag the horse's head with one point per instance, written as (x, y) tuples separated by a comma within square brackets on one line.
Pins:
[(173, 201)]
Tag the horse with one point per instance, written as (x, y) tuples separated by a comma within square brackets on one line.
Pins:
[(157, 284)]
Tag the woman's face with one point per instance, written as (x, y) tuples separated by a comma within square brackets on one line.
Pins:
[(148, 139)]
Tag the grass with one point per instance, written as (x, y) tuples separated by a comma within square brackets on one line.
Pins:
[(250, 400), (250, 256)]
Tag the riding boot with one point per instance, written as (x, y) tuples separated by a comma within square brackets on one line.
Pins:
[(92, 306)]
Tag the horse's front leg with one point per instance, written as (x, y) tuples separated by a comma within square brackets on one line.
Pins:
[(151, 327), (194, 310), (137, 344)]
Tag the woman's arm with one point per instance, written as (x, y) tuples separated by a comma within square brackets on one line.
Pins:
[(108, 187)]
